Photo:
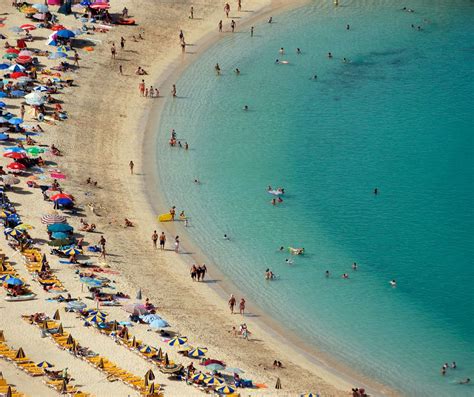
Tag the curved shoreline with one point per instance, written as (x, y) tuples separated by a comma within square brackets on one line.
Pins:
[(334, 372)]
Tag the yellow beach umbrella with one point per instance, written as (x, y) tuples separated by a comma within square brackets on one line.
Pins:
[(24, 226)]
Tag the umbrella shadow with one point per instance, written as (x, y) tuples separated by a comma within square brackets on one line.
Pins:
[(210, 281)]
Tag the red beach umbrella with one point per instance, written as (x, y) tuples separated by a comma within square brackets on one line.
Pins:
[(100, 6), (23, 59), (25, 53), (12, 50), (60, 196), (16, 166), (57, 27), (28, 26), (15, 155), (15, 75)]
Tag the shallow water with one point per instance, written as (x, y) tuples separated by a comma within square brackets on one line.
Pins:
[(398, 117)]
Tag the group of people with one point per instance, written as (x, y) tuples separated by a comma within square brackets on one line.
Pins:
[(232, 302), (198, 272)]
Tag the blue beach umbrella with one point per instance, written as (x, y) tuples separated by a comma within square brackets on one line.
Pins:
[(2, 104), (310, 395), (3, 94), (213, 381), (16, 29), (57, 55), (197, 352), (75, 305), (15, 121), (12, 232), (65, 34), (16, 68), (97, 313), (215, 367), (147, 349), (17, 93), (199, 377), (15, 149), (3, 120), (85, 3), (41, 88), (4, 137), (226, 390), (44, 364), (13, 281), (72, 251), (60, 227), (59, 236), (64, 201), (158, 324), (4, 66), (91, 281), (96, 319)]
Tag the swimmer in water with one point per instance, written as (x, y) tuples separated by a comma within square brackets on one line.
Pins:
[(465, 381), (345, 60), (246, 107), (226, 237), (329, 55), (281, 248), (270, 20), (393, 283), (354, 266), (315, 77), (289, 261), (273, 202), (196, 181), (326, 273), (280, 200), (282, 51), (277, 61), (376, 191), (237, 71), (345, 275), (298, 51), (348, 27)]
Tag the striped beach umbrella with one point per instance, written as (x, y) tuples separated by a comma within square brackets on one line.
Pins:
[(198, 352), (310, 395), (147, 349), (213, 381), (51, 219), (12, 232), (72, 251), (97, 313), (226, 390), (44, 364), (178, 341), (96, 319), (199, 377)]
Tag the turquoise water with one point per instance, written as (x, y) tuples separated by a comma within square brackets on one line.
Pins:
[(397, 117)]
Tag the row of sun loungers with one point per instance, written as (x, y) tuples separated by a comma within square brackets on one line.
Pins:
[(65, 341), (33, 263), (8, 390)]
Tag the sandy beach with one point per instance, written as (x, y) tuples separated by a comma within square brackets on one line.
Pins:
[(110, 124)]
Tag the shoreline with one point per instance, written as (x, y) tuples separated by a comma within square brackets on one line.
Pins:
[(332, 371)]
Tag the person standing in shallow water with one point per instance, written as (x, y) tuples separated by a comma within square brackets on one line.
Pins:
[(242, 306)]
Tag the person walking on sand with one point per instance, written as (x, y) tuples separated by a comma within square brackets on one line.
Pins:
[(131, 165), (220, 26), (76, 58), (176, 244), (203, 271), (242, 306), (173, 91), (217, 69), (191, 12), (162, 241), (227, 9), (232, 302), (239, 5), (122, 43), (154, 238), (113, 50), (141, 88), (232, 25)]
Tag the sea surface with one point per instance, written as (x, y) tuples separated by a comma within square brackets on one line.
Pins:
[(398, 116)]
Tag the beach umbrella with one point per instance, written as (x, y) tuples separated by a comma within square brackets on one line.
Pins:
[(198, 377), (215, 367), (23, 226), (213, 381), (28, 26), (167, 360), (178, 341), (14, 149), (171, 369), (60, 329), (17, 93), (151, 389), (72, 251), (147, 349), (16, 68), (35, 150), (10, 56), (60, 196), (139, 294), (41, 7), (56, 315), (97, 313), (16, 166), (12, 50), (13, 281), (95, 319), (149, 318), (15, 155), (4, 137), (56, 28), (65, 34), (85, 3), (15, 121), (158, 324), (2, 336), (59, 235), (135, 308), (160, 353), (60, 227), (63, 389), (59, 242), (57, 175), (44, 364), (309, 395), (12, 232), (16, 75), (4, 66), (197, 352), (41, 88), (2, 105), (20, 353), (101, 363), (23, 59), (69, 340), (150, 375), (9, 392), (226, 390), (2, 121), (278, 384), (100, 6), (63, 201), (51, 219), (25, 53), (75, 305)]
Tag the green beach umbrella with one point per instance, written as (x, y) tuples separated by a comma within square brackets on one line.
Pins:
[(178, 341), (10, 56)]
